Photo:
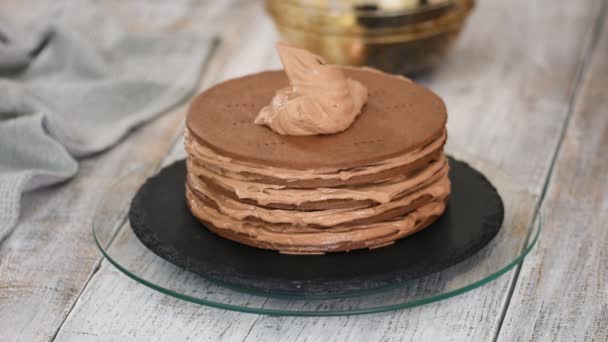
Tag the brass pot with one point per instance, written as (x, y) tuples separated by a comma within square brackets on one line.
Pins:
[(397, 36)]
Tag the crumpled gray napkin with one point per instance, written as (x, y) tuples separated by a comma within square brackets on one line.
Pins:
[(66, 93)]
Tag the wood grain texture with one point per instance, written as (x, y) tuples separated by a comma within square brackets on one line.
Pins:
[(50, 256), (498, 111), (562, 290), (507, 85), (106, 308), (507, 88), (474, 316)]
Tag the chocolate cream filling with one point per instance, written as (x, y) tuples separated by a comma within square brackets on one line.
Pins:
[(316, 241), (248, 172), (266, 194), (237, 199), (325, 218)]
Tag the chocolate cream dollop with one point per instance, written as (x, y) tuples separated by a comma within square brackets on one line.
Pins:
[(320, 99)]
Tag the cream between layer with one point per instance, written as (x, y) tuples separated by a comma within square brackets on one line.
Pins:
[(438, 191), (264, 194), (316, 239), (314, 229), (245, 171)]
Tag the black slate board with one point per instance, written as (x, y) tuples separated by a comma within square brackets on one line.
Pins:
[(162, 221)]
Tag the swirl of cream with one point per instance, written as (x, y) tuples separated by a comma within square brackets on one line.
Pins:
[(319, 100)]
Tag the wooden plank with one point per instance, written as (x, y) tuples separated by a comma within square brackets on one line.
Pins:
[(247, 46), (507, 87), (562, 291), (507, 97), (48, 259)]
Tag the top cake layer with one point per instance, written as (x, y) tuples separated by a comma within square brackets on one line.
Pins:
[(399, 117)]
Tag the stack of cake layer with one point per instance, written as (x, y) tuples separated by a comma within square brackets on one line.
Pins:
[(384, 178)]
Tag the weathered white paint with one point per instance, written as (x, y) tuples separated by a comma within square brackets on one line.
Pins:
[(508, 87), (50, 256), (562, 290)]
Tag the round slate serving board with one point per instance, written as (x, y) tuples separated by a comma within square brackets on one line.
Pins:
[(162, 221)]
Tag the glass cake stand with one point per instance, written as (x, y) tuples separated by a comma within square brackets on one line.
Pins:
[(122, 248)]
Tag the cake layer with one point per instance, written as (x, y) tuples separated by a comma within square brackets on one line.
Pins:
[(400, 116), (201, 155), (322, 218), (378, 213), (309, 240), (284, 197)]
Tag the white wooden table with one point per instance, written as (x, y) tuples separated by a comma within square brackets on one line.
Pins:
[(527, 93)]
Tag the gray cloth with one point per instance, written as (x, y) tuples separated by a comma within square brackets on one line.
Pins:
[(66, 93)]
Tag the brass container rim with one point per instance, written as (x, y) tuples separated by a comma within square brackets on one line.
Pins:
[(352, 7), (397, 37), (448, 21)]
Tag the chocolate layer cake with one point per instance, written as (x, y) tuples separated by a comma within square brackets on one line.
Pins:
[(351, 158), (380, 180)]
